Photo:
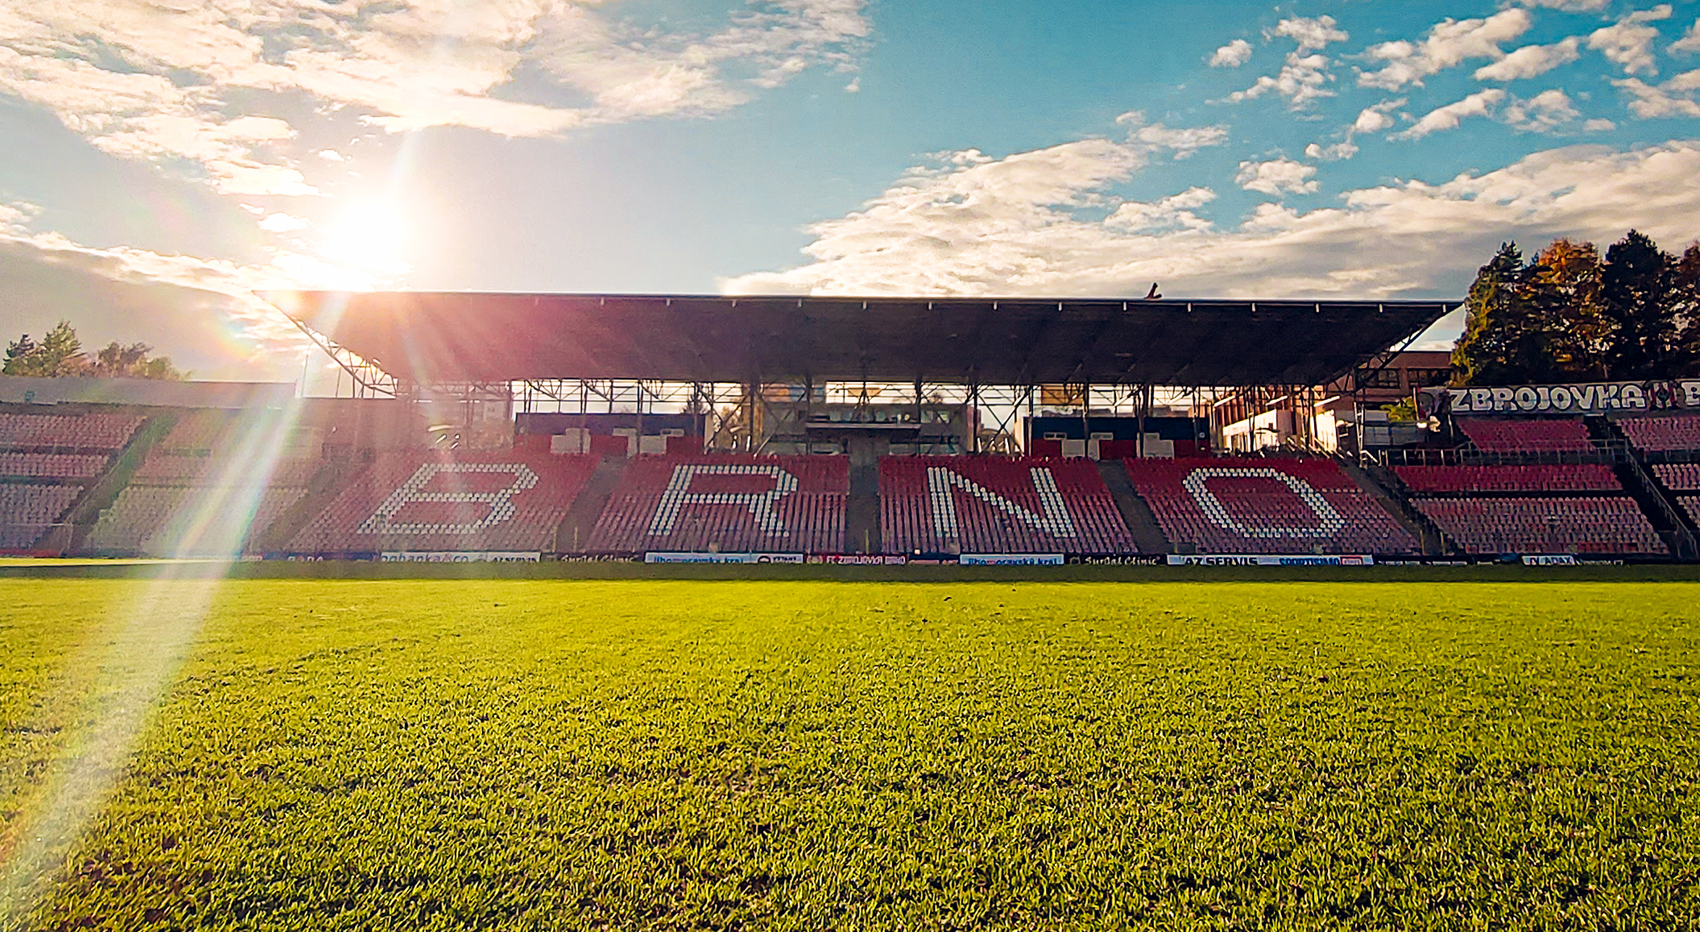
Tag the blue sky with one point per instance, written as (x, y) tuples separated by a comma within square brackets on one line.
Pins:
[(160, 161)]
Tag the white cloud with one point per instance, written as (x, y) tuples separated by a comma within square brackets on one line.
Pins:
[(1569, 6), (201, 312), (1448, 43), (1232, 55), (1673, 98), (149, 80), (1310, 34), (1277, 176), (1303, 77), (1598, 125), (283, 223), (1408, 238), (1530, 61), (1334, 152), (1690, 41), (1372, 119), (1628, 42), (1173, 213), (1182, 142), (1545, 112), (1449, 116)]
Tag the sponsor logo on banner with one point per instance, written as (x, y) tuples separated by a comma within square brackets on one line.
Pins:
[(1269, 559), (861, 559), (665, 557), (460, 556), (1557, 559), (1586, 398), (1010, 559)]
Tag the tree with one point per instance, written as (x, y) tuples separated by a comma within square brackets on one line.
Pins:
[(1561, 290), (132, 362), (1686, 311), (1503, 343), (60, 353), (1567, 315), (1636, 291)]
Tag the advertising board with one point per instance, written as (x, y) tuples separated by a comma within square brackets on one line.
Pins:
[(1585, 398), (1010, 559), (675, 557), (1269, 559), (460, 556)]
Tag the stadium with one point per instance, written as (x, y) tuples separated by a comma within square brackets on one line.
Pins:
[(692, 429), (863, 613)]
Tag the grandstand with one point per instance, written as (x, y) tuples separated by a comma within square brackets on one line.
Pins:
[(1270, 506), (47, 463), (941, 504), (622, 426), (722, 503)]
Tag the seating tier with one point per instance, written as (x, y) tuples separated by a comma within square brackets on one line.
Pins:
[(52, 465), (28, 510), (71, 431), (728, 503), (1266, 506), (1664, 432), (1603, 525), (1679, 477), (186, 521), (443, 501), (1527, 435), (1545, 477), (943, 504)]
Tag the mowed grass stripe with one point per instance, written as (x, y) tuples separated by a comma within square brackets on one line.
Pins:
[(543, 754)]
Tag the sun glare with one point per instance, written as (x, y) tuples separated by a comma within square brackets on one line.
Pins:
[(368, 238)]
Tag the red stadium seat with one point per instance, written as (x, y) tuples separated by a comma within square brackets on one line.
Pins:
[(442, 500), (46, 461), (726, 503), (1266, 506), (1527, 435), (27, 511), (1596, 525), (1679, 477), (1540, 477), (106, 432), (1662, 432), (944, 504)]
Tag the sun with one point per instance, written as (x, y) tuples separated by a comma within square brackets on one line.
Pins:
[(369, 237)]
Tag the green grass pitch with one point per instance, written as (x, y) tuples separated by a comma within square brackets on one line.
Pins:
[(528, 754)]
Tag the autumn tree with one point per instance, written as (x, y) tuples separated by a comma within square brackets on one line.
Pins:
[(1568, 315), (1561, 289)]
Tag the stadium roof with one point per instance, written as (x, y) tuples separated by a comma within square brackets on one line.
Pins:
[(457, 336)]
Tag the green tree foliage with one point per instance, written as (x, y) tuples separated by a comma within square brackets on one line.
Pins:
[(1496, 337), (1567, 315), (60, 353), (1636, 297), (132, 362)]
